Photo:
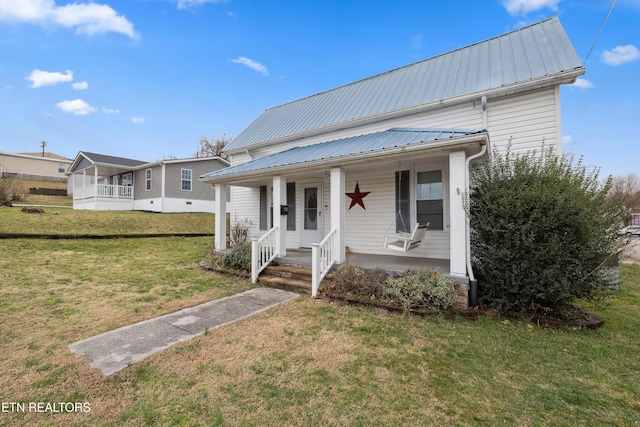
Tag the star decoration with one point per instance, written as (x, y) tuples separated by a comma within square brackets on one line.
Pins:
[(357, 196)]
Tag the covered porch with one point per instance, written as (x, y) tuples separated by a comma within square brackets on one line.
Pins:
[(102, 188), (350, 193)]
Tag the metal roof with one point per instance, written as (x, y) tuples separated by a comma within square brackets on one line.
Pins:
[(112, 160), (536, 51), (342, 148)]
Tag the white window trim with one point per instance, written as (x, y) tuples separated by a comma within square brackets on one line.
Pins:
[(190, 179), (426, 167), (148, 179)]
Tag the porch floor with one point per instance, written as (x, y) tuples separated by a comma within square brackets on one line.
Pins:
[(391, 263)]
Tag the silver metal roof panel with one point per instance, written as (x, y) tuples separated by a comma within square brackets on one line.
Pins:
[(397, 137), (536, 51)]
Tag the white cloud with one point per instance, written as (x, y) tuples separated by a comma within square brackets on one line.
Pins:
[(44, 78), (256, 66), (187, 4), (86, 18), (522, 7), (621, 55), (583, 83), (80, 85), (77, 107), (110, 110), (137, 120), (567, 139)]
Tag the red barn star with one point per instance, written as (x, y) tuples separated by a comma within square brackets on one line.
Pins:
[(357, 196)]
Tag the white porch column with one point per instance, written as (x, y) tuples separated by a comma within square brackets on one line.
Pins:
[(338, 211), (458, 255), (220, 209), (280, 199)]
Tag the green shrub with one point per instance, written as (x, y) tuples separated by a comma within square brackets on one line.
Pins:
[(541, 228), (422, 290), (238, 257)]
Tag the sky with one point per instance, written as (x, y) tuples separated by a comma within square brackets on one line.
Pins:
[(146, 79)]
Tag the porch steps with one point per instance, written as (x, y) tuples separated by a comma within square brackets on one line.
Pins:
[(288, 277)]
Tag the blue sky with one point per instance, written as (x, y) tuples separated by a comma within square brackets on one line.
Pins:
[(145, 79)]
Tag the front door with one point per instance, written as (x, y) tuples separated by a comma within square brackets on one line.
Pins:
[(311, 215)]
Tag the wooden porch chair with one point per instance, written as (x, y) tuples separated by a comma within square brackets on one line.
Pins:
[(406, 243)]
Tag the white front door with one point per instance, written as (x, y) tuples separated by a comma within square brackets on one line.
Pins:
[(311, 220)]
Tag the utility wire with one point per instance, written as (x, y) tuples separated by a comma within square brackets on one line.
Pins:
[(613, 2)]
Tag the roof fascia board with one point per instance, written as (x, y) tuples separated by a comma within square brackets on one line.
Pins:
[(385, 154), (566, 77)]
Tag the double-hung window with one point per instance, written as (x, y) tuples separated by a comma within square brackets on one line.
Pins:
[(185, 180), (147, 186), (429, 200)]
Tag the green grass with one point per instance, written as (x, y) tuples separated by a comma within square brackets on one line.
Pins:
[(305, 362), (69, 221)]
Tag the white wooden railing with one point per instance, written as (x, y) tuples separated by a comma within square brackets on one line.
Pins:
[(104, 191), (323, 256), (115, 191), (263, 251)]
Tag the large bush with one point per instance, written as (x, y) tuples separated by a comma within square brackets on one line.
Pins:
[(541, 229)]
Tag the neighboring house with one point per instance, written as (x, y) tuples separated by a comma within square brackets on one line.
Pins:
[(36, 166), (101, 182), (378, 155)]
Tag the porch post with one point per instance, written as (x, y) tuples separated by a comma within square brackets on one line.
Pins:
[(95, 194), (220, 208), (457, 218), (338, 211), (280, 199)]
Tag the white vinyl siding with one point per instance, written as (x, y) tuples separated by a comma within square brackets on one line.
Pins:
[(524, 119)]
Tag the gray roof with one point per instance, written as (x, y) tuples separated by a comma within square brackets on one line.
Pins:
[(343, 148), (112, 160), (536, 51)]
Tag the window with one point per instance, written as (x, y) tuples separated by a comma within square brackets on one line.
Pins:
[(403, 202), (127, 179), (291, 202), (429, 203), (186, 180), (147, 186), (264, 212), (61, 167)]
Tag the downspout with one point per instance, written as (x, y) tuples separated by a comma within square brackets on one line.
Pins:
[(473, 283)]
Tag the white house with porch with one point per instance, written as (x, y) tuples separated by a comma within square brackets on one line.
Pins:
[(361, 165)]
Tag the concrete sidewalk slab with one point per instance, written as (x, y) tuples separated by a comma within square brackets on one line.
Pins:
[(115, 350)]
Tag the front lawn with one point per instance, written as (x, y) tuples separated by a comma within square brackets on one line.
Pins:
[(306, 362), (69, 221)]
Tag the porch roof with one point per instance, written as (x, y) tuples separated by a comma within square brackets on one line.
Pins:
[(346, 149)]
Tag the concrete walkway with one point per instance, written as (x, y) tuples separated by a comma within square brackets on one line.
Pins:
[(115, 350)]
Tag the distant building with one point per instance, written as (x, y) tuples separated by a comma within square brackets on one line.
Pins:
[(102, 182), (37, 166)]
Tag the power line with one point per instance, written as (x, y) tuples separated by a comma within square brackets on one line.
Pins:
[(600, 32)]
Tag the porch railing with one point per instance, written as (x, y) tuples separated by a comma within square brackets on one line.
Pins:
[(115, 191), (104, 191), (323, 257), (263, 251)]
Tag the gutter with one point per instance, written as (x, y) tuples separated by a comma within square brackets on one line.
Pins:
[(565, 77), (473, 283)]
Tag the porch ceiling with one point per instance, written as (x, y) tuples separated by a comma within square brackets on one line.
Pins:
[(391, 144)]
